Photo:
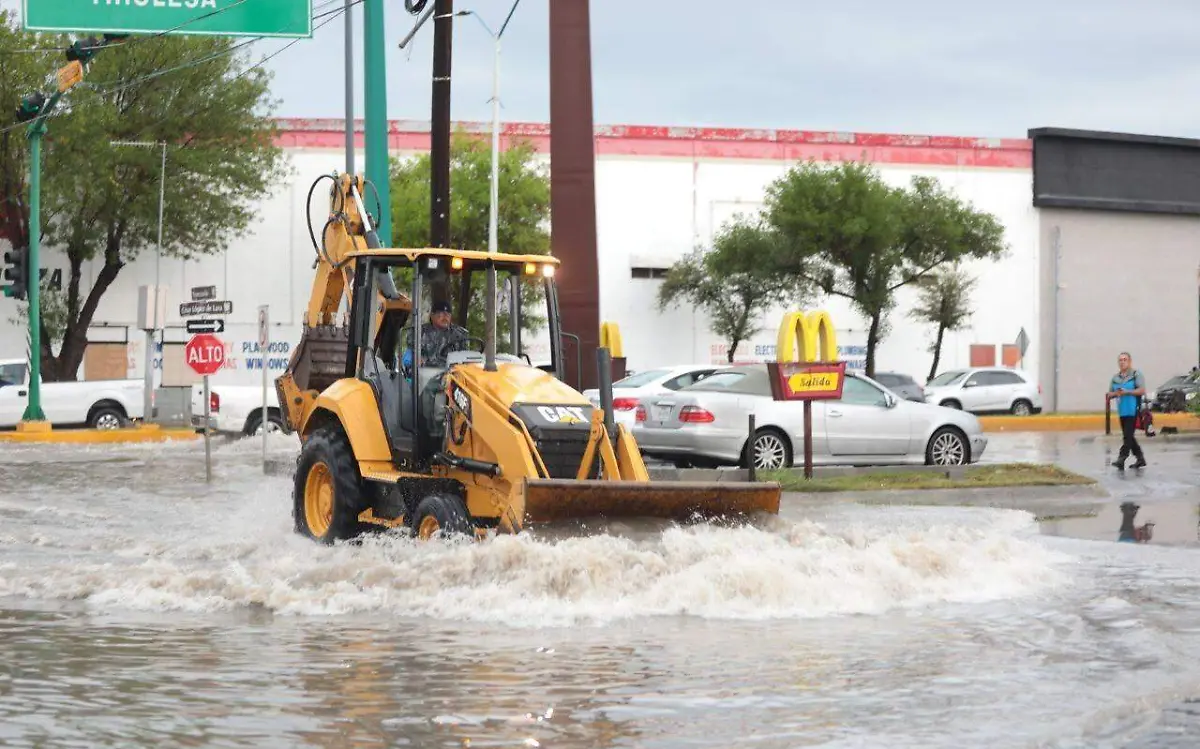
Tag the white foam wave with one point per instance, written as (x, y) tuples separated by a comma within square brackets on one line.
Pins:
[(784, 570)]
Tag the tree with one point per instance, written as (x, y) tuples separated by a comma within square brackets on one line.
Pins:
[(20, 75), (100, 202), (943, 300), (844, 230), (522, 221), (732, 300)]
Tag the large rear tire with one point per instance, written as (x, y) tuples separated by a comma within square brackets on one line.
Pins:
[(441, 512), (328, 488)]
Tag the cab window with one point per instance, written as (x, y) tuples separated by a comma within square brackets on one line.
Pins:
[(12, 374)]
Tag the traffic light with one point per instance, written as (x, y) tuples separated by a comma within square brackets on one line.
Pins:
[(31, 107), (83, 49), (16, 272)]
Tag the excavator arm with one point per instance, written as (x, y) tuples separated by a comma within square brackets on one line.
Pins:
[(322, 355)]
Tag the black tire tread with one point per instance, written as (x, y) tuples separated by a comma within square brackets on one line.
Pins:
[(330, 446), (450, 512)]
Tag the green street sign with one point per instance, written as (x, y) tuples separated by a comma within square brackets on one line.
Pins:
[(282, 18)]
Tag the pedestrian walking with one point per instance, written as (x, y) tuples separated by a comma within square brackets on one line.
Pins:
[(1127, 388)]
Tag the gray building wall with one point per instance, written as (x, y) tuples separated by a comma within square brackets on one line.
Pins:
[(1115, 281)]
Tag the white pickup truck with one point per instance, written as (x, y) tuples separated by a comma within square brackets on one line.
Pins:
[(99, 404), (236, 408)]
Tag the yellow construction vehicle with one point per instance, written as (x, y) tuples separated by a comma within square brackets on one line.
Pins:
[(488, 441)]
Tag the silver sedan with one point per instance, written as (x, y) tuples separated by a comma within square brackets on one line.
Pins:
[(706, 424)]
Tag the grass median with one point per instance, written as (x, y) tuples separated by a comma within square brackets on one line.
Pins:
[(972, 477)]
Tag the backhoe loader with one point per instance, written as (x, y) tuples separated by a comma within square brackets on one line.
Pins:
[(487, 443)]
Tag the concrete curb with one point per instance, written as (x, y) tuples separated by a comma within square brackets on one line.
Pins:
[(1008, 497), (1078, 422), (150, 433), (729, 475)]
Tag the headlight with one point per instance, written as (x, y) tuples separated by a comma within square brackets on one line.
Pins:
[(1189, 396)]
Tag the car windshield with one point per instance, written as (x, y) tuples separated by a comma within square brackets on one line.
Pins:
[(1174, 382), (641, 378), (947, 378)]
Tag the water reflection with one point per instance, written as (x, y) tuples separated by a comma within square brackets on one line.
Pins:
[(1176, 523)]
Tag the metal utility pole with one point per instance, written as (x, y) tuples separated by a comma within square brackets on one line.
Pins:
[(349, 87), (33, 408), (148, 395), (439, 134), (375, 114)]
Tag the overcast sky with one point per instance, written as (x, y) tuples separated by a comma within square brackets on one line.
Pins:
[(925, 67)]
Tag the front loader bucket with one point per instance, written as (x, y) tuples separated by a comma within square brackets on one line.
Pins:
[(550, 500)]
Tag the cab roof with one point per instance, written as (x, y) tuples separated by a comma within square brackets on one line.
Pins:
[(471, 256)]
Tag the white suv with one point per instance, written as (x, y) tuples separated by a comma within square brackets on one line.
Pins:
[(985, 389)]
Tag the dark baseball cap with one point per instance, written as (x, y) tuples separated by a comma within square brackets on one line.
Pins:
[(442, 306)]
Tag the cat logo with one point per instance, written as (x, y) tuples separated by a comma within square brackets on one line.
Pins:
[(562, 414)]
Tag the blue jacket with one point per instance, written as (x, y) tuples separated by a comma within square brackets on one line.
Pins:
[(1127, 405)]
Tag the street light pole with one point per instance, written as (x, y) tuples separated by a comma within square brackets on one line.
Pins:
[(148, 376), (494, 201)]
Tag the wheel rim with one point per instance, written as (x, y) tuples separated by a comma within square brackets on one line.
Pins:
[(768, 452), (318, 499), (429, 526), (1021, 409), (948, 450), (271, 428), (108, 421)]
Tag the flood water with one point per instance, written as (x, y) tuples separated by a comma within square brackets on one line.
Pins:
[(141, 608)]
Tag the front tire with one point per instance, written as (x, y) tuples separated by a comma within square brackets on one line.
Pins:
[(947, 447), (444, 513), (1022, 407), (328, 492)]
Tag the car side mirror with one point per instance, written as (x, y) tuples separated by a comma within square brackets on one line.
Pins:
[(889, 400), (969, 384)]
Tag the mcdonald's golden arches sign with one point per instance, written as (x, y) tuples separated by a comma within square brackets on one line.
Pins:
[(806, 366)]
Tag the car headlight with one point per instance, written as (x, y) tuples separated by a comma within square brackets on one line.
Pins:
[(1189, 396)]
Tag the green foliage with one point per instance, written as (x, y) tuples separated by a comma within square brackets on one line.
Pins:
[(100, 201), (522, 222), (732, 297), (944, 301), (20, 75), (843, 229), (53, 305)]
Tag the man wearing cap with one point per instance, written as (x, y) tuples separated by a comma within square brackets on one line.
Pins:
[(439, 336)]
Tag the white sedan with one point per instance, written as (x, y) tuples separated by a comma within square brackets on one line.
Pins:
[(707, 424), (629, 392)]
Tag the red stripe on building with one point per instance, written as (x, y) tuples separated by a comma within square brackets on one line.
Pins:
[(703, 143)]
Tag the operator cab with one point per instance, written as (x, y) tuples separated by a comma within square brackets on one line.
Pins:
[(411, 395)]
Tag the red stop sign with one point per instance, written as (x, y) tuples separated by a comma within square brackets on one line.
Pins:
[(205, 353)]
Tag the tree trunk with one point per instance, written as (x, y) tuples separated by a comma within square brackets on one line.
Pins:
[(729, 353), (872, 340), (937, 351), (66, 365)]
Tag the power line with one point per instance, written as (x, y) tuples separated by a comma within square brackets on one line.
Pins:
[(114, 87), (329, 17), (138, 39)]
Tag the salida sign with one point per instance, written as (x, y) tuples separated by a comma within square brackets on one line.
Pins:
[(205, 353)]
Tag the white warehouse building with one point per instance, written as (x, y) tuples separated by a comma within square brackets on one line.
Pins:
[(660, 192)]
